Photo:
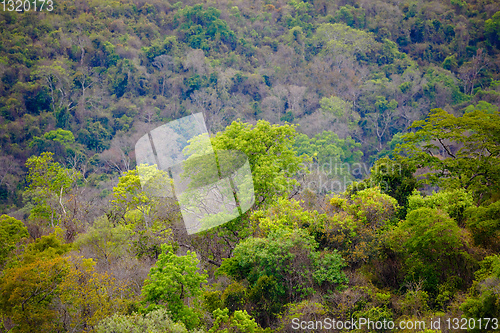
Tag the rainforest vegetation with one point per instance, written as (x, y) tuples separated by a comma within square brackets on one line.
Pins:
[(371, 127)]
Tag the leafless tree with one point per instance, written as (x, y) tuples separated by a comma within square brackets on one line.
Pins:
[(295, 98), (164, 64), (272, 107), (120, 154), (84, 77), (57, 78), (470, 72), (10, 170), (381, 122), (208, 102), (195, 61)]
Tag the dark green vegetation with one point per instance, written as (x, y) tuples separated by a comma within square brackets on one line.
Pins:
[(408, 89)]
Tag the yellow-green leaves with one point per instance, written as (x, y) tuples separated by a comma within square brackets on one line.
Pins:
[(269, 149), (11, 232), (49, 183)]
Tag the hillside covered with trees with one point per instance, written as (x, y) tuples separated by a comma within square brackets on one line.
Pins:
[(372, 132)]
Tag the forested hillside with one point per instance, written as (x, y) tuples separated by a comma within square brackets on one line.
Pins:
[(371, 128)]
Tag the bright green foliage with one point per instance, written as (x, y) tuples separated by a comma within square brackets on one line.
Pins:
[(432, 247), (453, 202), (273, 163), (352, 229), (146, 210), (11, 232), (461, 152), (484, 224), (484, 298), (326, 268), (300, 15), (423, 225), (157, 321), (171, 281), (128, 194), (142, 207), (269, 149), (48, 183), (284, 215), (483, 106), (64, 137), (372, 207), (238, 322)]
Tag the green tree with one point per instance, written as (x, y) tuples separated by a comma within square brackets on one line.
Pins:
[(48, 183), (129, 196), (433, 249), (171, 281), (138, 198), (106, 241), (484, 224), (395, 178), (239, 322), (66, 138), (30, 286), (281, 268), (461, 152), (355, 222), (342, 111), (269, 149), (290, 257), (202, 28), (11, 232), (484, 299), (454, 202), (273, 163), (327, 148), (492, 28)]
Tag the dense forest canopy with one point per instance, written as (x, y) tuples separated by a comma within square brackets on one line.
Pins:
[(371, 128)]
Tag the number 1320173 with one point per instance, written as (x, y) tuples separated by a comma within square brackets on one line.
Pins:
[(26, 5)]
